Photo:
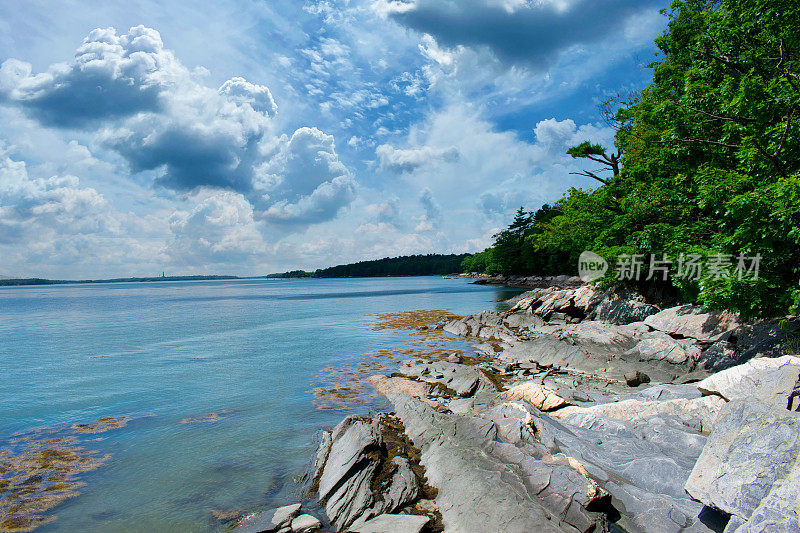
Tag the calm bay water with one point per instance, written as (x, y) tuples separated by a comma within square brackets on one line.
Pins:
[(166, 352)]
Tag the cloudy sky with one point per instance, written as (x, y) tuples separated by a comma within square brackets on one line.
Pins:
[(248, 137)]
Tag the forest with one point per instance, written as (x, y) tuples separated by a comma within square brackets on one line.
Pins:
[(705, 167), (409, 265)]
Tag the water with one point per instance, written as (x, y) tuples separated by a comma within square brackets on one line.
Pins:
[(160, 353)]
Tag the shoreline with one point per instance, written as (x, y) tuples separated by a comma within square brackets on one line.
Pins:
[(579, 410)]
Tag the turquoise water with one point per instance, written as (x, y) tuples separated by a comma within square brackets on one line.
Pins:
[(164, 352)]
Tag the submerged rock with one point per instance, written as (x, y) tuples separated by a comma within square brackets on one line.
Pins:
[(269, 521)]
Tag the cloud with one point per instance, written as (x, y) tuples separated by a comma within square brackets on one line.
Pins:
[(145, 105), (517, 31), (305, 182), (111, 76), (399, 161), (36, 210), (220, 228), (432, 216)]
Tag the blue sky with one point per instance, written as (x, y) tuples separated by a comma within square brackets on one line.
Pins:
[(251, 137)]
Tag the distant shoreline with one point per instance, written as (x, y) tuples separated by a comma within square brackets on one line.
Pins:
[(13, 282), (18, 282)]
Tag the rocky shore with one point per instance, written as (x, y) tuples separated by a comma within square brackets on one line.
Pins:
[(578, 411)]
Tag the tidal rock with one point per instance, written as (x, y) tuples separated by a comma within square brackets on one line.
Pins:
[(462, 380), (403, 487), (400, 385), (305, 523), (454, 358), (636, 378), (393, 523), (749, 463), (479, 488), (345, 483), (537, 395), (691, 321), (268, 521), (523, 320), (766, 379)]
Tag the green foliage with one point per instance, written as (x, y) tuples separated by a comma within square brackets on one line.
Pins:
[(586, 149), (711, 163)]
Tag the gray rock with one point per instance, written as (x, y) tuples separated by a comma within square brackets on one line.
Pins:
[(478, 485), (749, 462), (720, 355), (691, 321), (403, 487), (659, 346), (345, 483), (352, 440), (284, 515), (766, 379), (269, 521), (464, 380), (623, 311), (393, 523), (305, 523)]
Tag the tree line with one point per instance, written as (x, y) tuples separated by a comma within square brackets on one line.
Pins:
[(409, 265)]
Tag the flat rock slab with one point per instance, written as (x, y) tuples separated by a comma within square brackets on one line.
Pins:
[(537, 395), (691, 321), (481, 487), (751, 454), (393, 523), (766, 379)]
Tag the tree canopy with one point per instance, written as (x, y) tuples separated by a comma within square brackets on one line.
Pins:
[(708, 165)]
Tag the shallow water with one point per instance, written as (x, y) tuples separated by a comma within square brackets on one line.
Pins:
[(215, 378)]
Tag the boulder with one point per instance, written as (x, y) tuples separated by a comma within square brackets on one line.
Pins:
[(462, 380), (623, 311), (636, 378), (305, 523), (659, 346), (393, 523), (765, 379), (691, 321), (268, 521), (537, 395), (351, 464), (749, 463)]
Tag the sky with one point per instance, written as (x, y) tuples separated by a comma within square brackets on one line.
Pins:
[(249, 137)]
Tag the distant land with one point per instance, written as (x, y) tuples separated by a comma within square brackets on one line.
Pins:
[(41, 281), (407, 265)]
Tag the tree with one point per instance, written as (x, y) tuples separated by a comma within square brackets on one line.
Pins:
[(596, 153)]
